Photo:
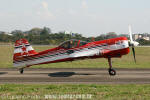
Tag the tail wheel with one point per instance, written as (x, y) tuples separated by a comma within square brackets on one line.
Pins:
[(21, 70), (112, 72)]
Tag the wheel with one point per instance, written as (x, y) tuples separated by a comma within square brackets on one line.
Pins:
[(21, 71), (111, 72)]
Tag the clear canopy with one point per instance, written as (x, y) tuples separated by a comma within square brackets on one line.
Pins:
[(72, 44)]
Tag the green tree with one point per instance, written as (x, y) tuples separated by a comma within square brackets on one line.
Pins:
[(17, 34)]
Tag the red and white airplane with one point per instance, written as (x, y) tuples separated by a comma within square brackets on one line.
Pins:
[(26, 56)]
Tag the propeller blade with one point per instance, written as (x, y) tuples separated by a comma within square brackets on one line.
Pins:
[(134, 54), (130, 33), (132, 43)]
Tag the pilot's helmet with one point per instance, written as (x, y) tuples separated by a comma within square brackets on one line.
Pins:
[(71, 41)]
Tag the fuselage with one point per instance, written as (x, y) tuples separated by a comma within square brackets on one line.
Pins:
[(115, 47)]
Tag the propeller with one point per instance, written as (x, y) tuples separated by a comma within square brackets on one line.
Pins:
[(132, 43)]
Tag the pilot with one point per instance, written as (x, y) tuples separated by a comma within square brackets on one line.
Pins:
[(70, 44)]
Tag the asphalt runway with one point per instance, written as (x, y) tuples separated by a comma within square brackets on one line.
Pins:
[(75, 76)]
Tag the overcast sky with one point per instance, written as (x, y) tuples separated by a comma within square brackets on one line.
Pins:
[(88, 17)]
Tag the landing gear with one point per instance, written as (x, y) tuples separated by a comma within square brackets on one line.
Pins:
[(21, 70), (111, 71)]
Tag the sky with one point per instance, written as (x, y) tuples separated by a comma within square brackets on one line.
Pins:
[(87, 17)]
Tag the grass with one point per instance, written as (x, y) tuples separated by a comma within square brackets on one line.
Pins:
[(142, 55), (97, 92)]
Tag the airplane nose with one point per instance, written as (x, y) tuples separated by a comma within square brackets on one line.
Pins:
[(136, 43)]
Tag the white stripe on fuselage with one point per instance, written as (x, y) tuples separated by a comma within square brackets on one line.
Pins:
[(81, 53)]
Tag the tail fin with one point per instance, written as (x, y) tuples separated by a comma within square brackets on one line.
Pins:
[(23, 48)]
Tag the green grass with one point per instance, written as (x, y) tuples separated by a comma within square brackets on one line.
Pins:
[(142, 55), (98, 92)]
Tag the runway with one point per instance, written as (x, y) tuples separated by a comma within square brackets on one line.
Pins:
[(74, 76)]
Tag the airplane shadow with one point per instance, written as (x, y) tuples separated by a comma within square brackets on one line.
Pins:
[(66, 74), (1, 73)]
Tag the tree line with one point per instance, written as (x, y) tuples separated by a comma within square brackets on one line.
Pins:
[(44, 36)]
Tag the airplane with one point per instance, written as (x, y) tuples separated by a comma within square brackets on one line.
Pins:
[(25, 56)]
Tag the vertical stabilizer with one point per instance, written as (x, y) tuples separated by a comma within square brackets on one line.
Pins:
[(23, 48)]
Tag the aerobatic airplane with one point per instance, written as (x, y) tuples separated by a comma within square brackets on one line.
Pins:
[(26, 56)]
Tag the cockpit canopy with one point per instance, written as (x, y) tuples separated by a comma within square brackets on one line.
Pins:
[(72, 44)]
